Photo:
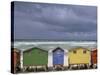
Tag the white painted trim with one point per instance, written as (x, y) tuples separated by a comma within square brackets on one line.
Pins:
[(65, 57), (50, 64), (21, 60)]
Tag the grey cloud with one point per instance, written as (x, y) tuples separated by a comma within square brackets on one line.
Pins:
[(54, 21)]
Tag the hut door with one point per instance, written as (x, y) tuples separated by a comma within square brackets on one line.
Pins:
[(58, 57)]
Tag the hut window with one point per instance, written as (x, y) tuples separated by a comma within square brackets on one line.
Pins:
[(84, 51), (74, 52)]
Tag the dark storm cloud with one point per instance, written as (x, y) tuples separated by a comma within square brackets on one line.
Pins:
[(54, 21)]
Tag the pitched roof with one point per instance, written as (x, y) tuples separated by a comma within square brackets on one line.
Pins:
[(34, 48), (77, 48), (57, 49), (15, 50)]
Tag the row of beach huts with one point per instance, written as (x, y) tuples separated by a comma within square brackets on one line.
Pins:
[(37, 59)]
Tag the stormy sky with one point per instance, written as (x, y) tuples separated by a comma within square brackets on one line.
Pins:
[(54, 21)]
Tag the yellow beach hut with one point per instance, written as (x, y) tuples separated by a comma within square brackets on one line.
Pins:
[(79, 56)]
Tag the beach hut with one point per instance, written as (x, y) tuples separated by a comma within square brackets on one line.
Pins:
[(58, 57), (79, 56), (35, 58), (94, 58), (15, 60)]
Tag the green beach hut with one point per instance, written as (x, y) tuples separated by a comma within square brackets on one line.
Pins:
[(35, 57)]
